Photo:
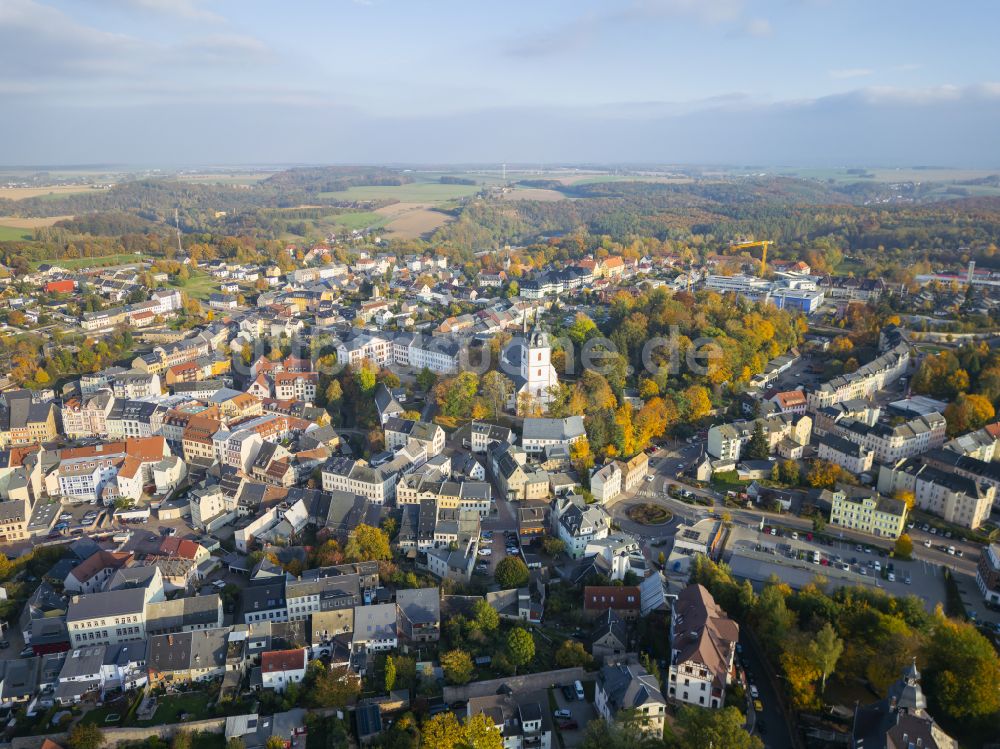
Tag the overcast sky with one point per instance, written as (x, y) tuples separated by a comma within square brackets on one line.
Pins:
[(798, 82)]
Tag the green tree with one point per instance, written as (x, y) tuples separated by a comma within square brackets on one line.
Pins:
[(824, 652), (789, 471), (236, 743), (274, 742), (904, 546), (327, 687), (457, 665), (390, 673), (511, 572), (714, 729), (520, 647), (963, 669), (496, 389), (426, 379), (486, 616), (367, 544), (758, 448), (554, 546), (443, 731), (572, 653), (181, 740), (85, 736)]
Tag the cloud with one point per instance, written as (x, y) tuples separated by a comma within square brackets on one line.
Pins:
[(759, 27), (188, 10), (223, 48), (584, 30), (845, 73), (39, 40)]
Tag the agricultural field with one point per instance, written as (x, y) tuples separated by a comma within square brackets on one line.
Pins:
[(414, 222), (14, 234), (16, 222), (360, 220), (104, 261), (415, 192), (54, 191), (534, 193), (224, 178)]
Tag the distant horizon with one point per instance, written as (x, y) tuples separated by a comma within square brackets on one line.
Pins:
[(482, 166), (800, 83)]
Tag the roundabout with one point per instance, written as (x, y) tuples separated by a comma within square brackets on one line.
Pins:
[(649, 514)]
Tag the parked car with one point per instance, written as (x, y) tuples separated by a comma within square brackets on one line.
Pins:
[(563, 714), (568, 725), (758, 706), (568, 692), (754, 692), (4, 644)]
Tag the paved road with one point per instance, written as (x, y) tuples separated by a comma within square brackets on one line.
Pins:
[(769, 724)]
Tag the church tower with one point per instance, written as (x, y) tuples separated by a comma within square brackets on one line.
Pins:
[(536, 363)]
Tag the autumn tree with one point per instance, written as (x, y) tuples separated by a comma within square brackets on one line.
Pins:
[(967, 412), (444, 731), (496, 388), (823, 474), (571, 653), (457, 665), (426, 379), (904, 546), (367, 544), (713, 729), (390, 673), (824, 652), (800, 672), (455, 396), (85, 736), (330, 687), (963, 670)]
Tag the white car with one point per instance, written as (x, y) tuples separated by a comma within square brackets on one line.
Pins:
[(563, 714), (927, 543), (485, 552), (754, 692)]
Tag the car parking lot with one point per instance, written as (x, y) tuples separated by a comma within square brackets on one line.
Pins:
[(850, 562), (500, 544), (581, 712)]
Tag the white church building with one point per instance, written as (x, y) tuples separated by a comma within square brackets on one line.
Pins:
[(536, 376)]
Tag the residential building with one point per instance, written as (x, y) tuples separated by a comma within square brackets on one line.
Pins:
[(375, 628), (893, 443), (988, 573), (901, 720), (187, 657), (955, 498), (726, 441), (624, 600), (107, 617), (357, 477), (577, 523), (702, 649), (864, 511), (606, 482), (280, 668), (539, 433), (523, 720), (863, 382), (851, 456), (419, 614), (628, 689)]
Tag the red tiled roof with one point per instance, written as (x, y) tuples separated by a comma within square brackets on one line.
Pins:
[(282, 660), (618, 597)]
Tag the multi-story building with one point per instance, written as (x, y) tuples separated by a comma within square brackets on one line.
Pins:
[(522, 720), (955, 498), (85, 472), (296, 386), (988, 573), (362, 346), (439, 354), (975, 469), (577, 523), (280, 668), (419, 614), (865, 381), (606, 482), (399, 432), (25, 420), (357, 477), (107, 617), (308, 595), (726, 441), (482, 434), (702, 649), (539, 433), (893, 443), (850, 456), (87, 416), (453, 495), (628, 689), (867, 512)]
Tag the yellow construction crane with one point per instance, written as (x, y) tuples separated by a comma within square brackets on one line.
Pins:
[(763, 244)]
